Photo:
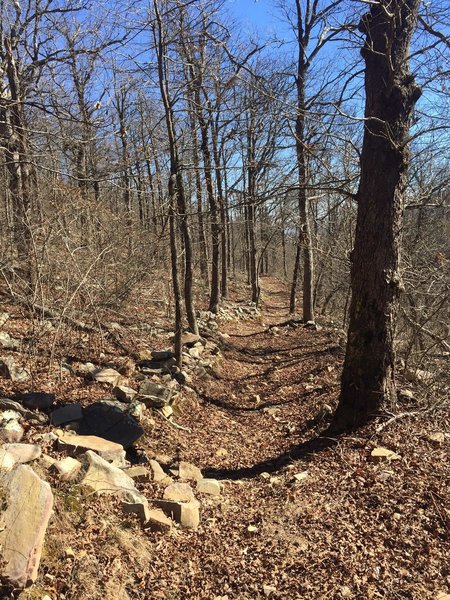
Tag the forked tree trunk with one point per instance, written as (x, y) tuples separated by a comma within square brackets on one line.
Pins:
[(368, 379)]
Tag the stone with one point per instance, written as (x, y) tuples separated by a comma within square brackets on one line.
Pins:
[(47, 461), (268, 590), (180, 492), (158, 521), (157, 471), (66, 414), (189, 339), (187, 514), (11, 430), (154, 395), (7, 461), (188, 471), (182, 378), (194, 353), (68, 468), (4, 316), (437, 437), (105, 478), (37, 400), (141, 509), (23, 453), (124, 393), (107, 375), (138, 473), (162, 355), (7, 342), (137, 410), (6, 404), (209, 486), (167, 411), (9, 370), (78, 444), (23, 525), (110, 421)]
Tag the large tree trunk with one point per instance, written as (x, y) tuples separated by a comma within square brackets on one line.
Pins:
[(368, 379)]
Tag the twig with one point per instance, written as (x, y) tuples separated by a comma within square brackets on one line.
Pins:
[(175, 425), (395, 418)]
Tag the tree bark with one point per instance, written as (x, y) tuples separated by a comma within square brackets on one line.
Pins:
[(368, 379)]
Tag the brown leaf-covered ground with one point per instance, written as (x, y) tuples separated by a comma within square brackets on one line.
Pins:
[(301, 516)]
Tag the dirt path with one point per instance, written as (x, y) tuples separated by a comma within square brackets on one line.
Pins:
[(300, 517)]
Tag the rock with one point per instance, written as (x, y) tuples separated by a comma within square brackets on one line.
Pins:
[(9, 370), (7, 342), (109, 420), (162, 355), (189, 339), (137, 410), (66, 414), (78, 444), (4, 316), (7, 461), (418, 375), (68, 468), (139, 473), (154, 395), (124, 393), (157, 521), (141, 509), (167, 411), (188, 471), (47, 461), (10, 429), (194, 353), (23, 453), (37, 400), (182, 378), (209, 486), (6, 404), (107, 375), (104, 478), (187, 514), (406, 395), (180, 492), (23, 525), (157, 472)]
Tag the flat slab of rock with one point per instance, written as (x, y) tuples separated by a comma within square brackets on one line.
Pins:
[(23, 453), (7, 461), (7, 404), (107, 375), (189, 339), (158, 521), (78, 444), (180, 492), (110, 421), (138, 473), (187, 514), (188, 471), (23, 525), (7, 342), (209, 486), (158, 473), (154, 394), (67, 414)]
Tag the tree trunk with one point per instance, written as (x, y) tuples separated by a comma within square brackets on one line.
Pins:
[(368, 379)]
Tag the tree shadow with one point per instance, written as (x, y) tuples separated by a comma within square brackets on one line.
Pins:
[(305, 451)]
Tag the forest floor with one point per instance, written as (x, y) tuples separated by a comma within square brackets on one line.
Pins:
[(300, 516)]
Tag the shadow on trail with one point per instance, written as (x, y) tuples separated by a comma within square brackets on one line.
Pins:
[(304, 451)]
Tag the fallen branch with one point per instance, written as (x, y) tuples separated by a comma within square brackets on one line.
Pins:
[(395, 418), (175, 425)]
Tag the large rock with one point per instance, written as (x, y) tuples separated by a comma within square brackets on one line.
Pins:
[(10, 428), (110, 421), (67, 414), (10, 370), (23, 453), (78, 444), (180, 492), (23, 525), (104, 478), (209, 486), (154, 394), (157, 472), (188, 471), (107, 376), (37, 400), (124, 393), (7, 461), (68, 468), (158, 521), (189, 339), (187, 514)]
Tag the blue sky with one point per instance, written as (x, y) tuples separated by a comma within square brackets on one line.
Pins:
[(258, 16)]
